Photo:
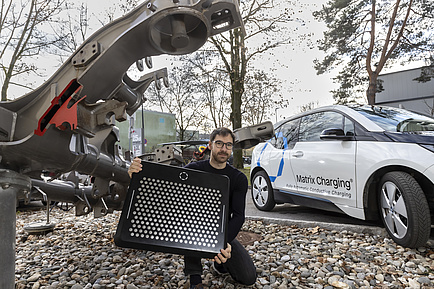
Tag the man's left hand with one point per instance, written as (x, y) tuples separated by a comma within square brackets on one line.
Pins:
[(224, 255)]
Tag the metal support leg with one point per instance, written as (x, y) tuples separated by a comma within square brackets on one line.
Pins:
[(11, 184), (41, 227)]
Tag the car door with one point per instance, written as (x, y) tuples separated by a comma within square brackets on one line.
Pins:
[(325, 169)]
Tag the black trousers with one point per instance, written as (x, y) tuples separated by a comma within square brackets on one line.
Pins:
[(240, 266)]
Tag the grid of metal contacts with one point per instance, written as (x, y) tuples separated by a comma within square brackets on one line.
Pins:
[(192, 218), (177, 210)]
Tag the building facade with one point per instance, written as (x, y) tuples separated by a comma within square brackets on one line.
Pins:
[(400, 89), (145, 130)]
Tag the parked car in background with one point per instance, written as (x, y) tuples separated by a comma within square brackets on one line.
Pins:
[(368, 162)]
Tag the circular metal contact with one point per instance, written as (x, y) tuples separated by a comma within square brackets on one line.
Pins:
[(183, 176)]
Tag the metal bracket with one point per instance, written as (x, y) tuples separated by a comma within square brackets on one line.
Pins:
[(88, 53), (100, 209), (82, 207), (100, 188)]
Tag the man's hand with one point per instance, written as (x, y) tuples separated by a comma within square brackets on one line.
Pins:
[(135, 167), (224, 255)]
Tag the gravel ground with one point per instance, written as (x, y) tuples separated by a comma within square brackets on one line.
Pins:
[(80, 253)]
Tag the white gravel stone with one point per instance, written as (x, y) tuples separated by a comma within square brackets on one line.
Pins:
[(80, 254)]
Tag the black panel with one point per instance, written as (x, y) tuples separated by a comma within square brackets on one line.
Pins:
[(175, 210)]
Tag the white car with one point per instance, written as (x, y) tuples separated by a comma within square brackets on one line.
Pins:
[(368, 162)]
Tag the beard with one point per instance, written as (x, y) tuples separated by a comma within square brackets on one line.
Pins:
[(220, 157)]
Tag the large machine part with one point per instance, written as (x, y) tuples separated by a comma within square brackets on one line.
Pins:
[(68, 123)]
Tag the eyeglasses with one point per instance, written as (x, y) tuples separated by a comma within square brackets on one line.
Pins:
[(219, 144)]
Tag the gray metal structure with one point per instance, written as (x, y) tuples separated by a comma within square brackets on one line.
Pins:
[(67, 124), (402, 90)]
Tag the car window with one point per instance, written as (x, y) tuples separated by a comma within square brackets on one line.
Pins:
[(285, 135), (290, 132), (397, 120), (280, 141), (274, 140), (312, 125), (348, 127)]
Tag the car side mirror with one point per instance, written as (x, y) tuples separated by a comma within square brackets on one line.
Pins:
[(334, 134), (247, 137)]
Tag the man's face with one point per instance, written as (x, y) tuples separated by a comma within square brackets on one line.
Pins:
[(221, 155)]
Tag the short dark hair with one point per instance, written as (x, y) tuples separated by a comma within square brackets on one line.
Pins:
[(223, 131)]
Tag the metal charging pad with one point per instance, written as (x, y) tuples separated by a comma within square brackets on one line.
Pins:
[(175, 210)]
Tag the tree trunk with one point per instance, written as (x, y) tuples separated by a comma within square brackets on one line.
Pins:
[(237, 82), (4, 90), (372, 88), (236, 121)]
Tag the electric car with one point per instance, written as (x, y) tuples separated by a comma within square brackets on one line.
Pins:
[(368, 162)]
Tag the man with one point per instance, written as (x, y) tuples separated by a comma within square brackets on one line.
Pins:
[(234, 259)]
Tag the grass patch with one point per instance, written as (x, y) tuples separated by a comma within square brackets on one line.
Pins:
[(246, 171)]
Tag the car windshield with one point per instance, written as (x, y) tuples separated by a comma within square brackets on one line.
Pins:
[(397, 120)]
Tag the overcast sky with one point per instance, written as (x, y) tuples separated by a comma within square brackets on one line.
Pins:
[(308, 86), (302, 84)]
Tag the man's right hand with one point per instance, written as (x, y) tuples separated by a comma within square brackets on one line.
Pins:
[(135, 167)]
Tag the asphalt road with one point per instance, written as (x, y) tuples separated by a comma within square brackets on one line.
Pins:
[(288, 214)]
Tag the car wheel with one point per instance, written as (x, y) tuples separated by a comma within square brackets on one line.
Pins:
[(404, 209), (262, 192)]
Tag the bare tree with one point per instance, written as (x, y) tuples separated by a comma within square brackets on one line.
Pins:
[(308, 106), (259, 101), (29, 28), (180, 98), (79, 23), (429, 109), (74, 30), (262, 97), (265, 23), (216, 101), (24, 33), (209, 78)]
